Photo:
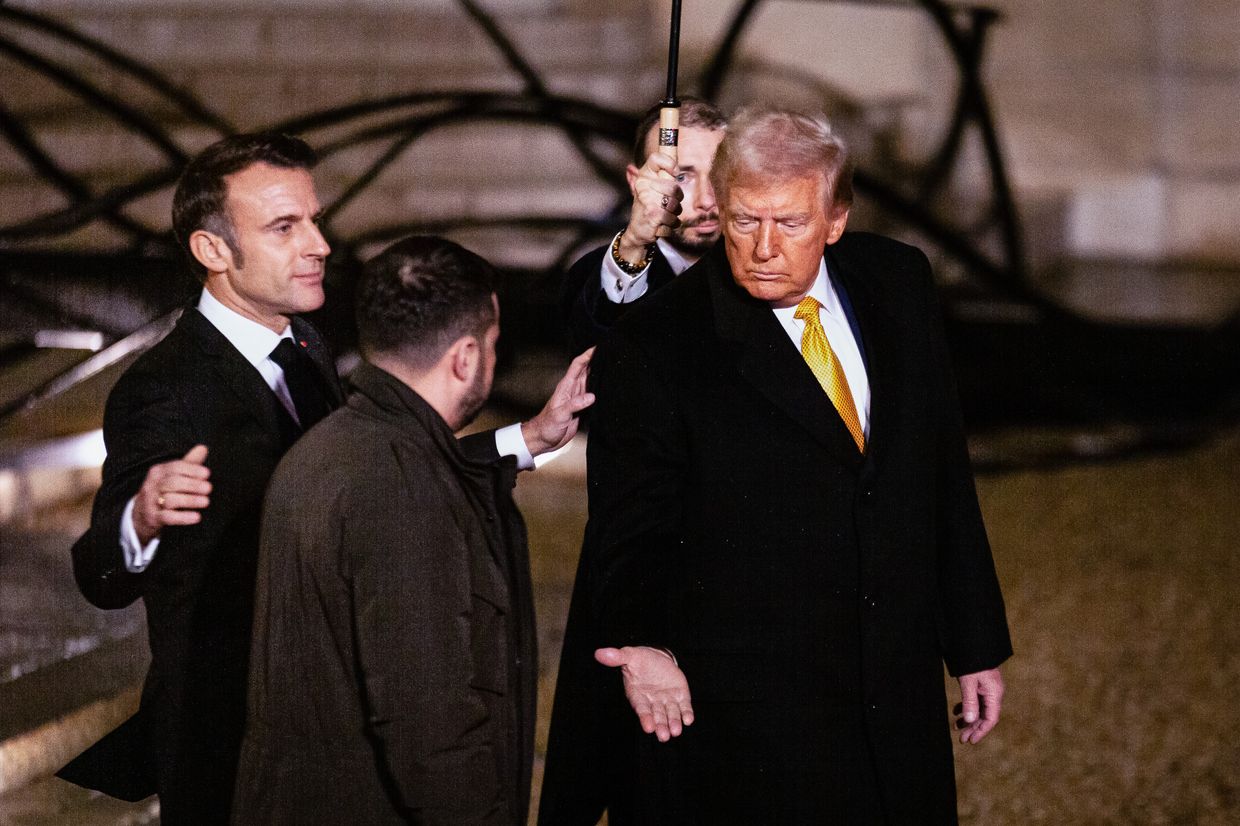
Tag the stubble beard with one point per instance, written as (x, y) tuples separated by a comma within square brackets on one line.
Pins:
[(473, 401), (692, 243)]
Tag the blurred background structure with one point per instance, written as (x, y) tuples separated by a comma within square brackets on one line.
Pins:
[(1072, 169)]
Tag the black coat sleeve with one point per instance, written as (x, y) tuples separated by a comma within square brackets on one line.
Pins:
[(589, 313), (976, 634), (637, 465), (144, 424)]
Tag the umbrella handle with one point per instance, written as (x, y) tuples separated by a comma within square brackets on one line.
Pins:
[(669, 137)]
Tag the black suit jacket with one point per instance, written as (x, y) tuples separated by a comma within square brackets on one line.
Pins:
[(193, 387), (588, 310), (393, 667), (811, 593)]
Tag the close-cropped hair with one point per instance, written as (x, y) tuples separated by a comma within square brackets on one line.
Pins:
[(420, 295), (694, 112), (201, 197), (780, 145)]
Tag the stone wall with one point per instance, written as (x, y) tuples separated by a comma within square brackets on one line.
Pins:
[(1116, 115), (255, 64), (1128, 107)]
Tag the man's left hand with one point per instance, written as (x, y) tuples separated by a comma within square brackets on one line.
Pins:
[(656, 688), (981, 697), (556, 423)]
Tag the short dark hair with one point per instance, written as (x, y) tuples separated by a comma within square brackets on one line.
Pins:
[(694, 112), (421, 294), (200, 200)]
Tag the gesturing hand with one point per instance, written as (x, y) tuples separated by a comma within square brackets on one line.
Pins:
[(173, 493), (557, 422), (656, 688), (981, 697)]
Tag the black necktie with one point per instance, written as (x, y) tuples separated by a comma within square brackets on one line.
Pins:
[(303, 382)]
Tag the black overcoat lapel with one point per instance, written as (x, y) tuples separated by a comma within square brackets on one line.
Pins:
[(767, 359), (879, 337)]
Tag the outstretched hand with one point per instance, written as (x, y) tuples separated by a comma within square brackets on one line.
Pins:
[(173, 493), (981, 698), (656, 688), (557, 422)]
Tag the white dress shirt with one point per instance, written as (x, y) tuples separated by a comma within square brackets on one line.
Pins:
[(839, 336), (622, 288), (255, 343)]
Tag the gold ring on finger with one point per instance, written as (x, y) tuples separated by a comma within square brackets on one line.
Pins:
[(160, 502), (665, 199)]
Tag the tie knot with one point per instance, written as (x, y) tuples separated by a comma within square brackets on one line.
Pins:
[(807, 309), (285, 354)]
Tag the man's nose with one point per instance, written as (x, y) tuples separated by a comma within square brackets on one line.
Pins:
[(767, 246), (704, 195), (316, 244)]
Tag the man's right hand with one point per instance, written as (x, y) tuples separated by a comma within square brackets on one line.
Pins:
[(656, 688), (656, 204), (173, 493)]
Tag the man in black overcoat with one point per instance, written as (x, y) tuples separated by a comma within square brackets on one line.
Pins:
[(672, 222), (785, 544), (393, 669), (194, 429)]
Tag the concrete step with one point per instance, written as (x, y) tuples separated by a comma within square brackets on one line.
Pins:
[(491, 152), (342, 36), (387, 201), (1164, 293), (288, 63), (269, 64)]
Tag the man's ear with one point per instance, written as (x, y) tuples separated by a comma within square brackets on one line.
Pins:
[(630, 175), (839, 219), (210, 250), (464, 357)]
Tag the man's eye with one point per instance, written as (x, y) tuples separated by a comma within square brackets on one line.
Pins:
[(682, 177)]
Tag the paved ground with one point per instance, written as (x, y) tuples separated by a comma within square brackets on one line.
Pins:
[(1121, 580)]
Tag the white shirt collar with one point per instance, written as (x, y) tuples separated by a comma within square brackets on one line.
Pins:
[(823, 290), (254, 341), (674, 257)]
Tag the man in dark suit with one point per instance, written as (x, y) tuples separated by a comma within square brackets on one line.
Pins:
[(393, 668), (194, 430), (785, 543), (673, 221)]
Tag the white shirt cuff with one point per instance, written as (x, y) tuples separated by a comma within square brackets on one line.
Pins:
[(136, 556), (618, 285), (510, 442)]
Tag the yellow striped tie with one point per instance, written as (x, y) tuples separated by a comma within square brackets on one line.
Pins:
[(821, 359)]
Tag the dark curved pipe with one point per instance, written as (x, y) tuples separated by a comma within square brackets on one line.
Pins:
[(187, 103), (534, 84), (721, 63), (96, 97), (46, 167)]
